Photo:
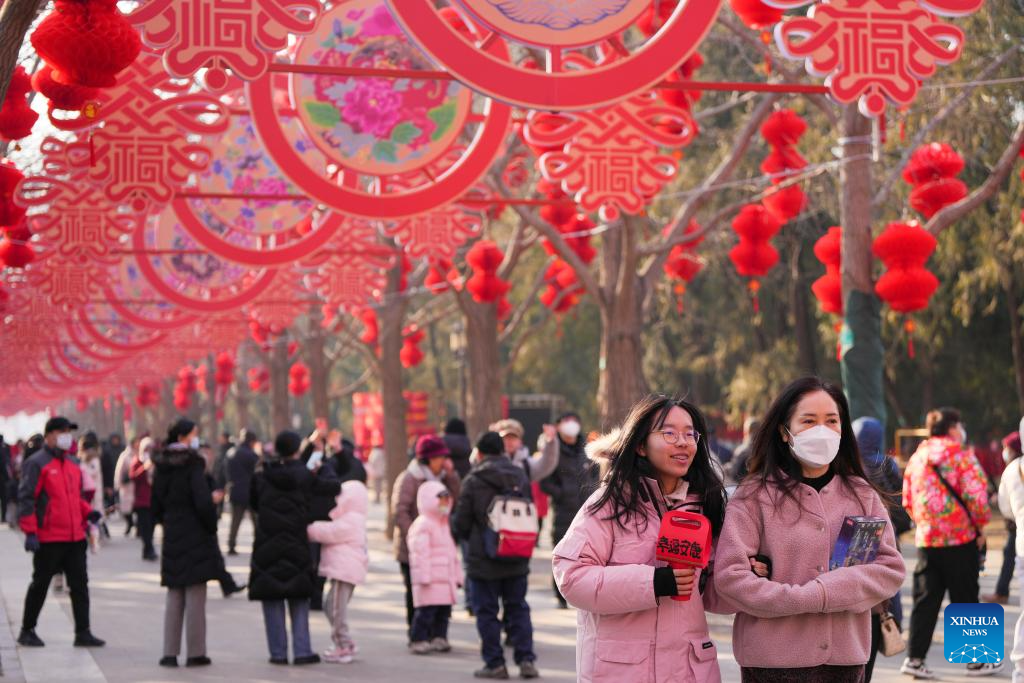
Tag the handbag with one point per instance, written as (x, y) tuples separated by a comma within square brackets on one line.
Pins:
[(983, 550), (892, 640)]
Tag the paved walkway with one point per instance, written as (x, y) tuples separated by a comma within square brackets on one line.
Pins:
[(127, 611)]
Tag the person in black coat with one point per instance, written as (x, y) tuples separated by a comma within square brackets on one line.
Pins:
[(281, 566), (241, 466), (458, 445), (570, 484), (183, 504)]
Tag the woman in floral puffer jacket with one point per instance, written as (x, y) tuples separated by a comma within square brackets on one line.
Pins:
[(945, 493)]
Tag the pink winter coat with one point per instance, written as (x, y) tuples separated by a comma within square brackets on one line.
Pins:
[(804, 615), (625, 633), (343, 555), (433, 561)]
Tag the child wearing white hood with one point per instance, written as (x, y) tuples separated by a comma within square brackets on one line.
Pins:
[(344, 561)]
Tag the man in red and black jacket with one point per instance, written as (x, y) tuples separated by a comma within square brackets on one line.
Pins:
[(53, 515)]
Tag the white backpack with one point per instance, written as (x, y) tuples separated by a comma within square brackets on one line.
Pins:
[(512, 526)]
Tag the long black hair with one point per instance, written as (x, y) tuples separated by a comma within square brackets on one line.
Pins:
[(179, 429), (624, 489), (772, 463)]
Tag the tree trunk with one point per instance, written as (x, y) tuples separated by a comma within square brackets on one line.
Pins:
[(213, 427), (280, 420), (805, 336), (16, 18), (1016, 344), (863, 354), (621, 379), (242, 401), (435, 360), (319, 370), (484, 386), (390, 319)]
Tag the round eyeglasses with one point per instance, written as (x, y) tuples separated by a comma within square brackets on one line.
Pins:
[(674, 438)]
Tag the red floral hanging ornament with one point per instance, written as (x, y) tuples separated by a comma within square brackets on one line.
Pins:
[(782, 131), (16, 116), (411, 355), (298, 379), (485, 257), (754, 256), (10, 176), (907, 285), (15, 250), (87, 42), (828, 289), (932, 172), (60, 95), (682, 263)]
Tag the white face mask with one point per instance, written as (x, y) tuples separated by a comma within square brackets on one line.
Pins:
[(193, 443), (64, 441), (815, 447), (1007, 456), (963, 435), (570, 429)]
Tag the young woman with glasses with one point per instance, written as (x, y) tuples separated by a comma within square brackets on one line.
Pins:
[(803, 622), (629, 629)]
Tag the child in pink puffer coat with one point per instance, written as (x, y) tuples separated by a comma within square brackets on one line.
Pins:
[(435, 567), (343, 560)]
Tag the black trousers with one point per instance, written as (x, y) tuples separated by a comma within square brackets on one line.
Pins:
[(407, 580), (940, 569), (5, 497), (146, 525), (56, 558), (556, 537)]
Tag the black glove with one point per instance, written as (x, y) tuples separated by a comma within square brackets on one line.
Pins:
[(664, 582), (94, 516), (31, 543)]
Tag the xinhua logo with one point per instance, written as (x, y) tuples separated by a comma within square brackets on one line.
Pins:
[(973, 633)]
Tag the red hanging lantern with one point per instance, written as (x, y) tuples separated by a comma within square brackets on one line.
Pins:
[(201, 376), (61, 96), (655, 16), (259, 380), (298, 379), (785, 203), (87, 42), (828, 289), (485, 286), (368, 317), (436, 280), (15, 251), (16, 116), (411, 355), (753, 257), (184, 389), (907, 285), (10, 176), (783, 128), (755, 14), (931, 170), (682, 263)]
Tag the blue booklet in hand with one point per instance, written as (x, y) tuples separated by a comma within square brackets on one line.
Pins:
[(858, 542)]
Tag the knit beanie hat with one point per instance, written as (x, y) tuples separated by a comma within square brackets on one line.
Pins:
[(490, 444), (430, 446)]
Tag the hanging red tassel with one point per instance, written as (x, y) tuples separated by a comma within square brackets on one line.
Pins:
[(755, 286), (910, 326)]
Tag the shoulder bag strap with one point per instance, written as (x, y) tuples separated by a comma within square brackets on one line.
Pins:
[(957, 497)]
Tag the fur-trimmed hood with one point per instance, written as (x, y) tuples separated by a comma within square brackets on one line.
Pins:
[(600, 449)]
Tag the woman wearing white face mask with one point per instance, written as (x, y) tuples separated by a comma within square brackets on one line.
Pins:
[(803, 622)]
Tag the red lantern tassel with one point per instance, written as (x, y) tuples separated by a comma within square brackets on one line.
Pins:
[(766, 38), (909, 326), (755, 286), (680, 289), (882, 128)]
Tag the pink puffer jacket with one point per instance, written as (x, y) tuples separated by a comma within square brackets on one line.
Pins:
[(433, 560), (625, 633), (343, 554)]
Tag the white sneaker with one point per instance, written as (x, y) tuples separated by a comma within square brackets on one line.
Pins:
[(983, 668), (440, 645), (421, 647), (338, 655), (916, 668)]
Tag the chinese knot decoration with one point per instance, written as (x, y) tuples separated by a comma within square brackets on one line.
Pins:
[(241, 36), (907, 285), (782, 130), (754, 256), (932, 171), (611, 158), (873, 50)]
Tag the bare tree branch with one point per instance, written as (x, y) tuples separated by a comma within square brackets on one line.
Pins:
[(522, 308), (725, 169), (886, 187), (16, 17), (343, 391), (951, 214)]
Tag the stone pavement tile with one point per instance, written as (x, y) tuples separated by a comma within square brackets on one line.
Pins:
[(58, 660)]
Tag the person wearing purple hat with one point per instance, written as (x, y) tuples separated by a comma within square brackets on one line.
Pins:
[(432, 463)]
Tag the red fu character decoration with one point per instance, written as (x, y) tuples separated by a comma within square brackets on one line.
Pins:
[(684, 541), (907, 285)]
